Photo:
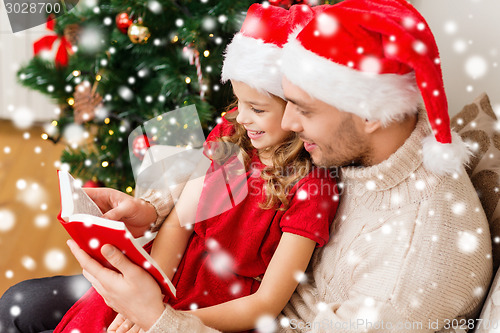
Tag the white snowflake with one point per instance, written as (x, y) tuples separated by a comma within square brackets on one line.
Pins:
[(91, 39), (370, 185), (460, 46), (28, 263), (327, 25), (94, 243), (23, 117), (155, 6), (125, 93), (450, 27), (458, 208), (55, 260), (221, 263), (266, 324), (467, 242), (208, 23), (476, 67), (302, 195), (322, 306), (284, 322), (9, 274), (300, 277), (7, 220), (235, 288), (15, 311), (74, 133), (370, 65)]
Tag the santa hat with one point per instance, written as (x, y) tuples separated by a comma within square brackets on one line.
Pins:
[(254, 54), (377, 59)]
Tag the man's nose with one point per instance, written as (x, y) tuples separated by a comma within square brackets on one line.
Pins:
[(290, 121)]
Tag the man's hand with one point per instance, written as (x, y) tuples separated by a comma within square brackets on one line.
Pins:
[(131, 291), (122, 325), (137, 214)]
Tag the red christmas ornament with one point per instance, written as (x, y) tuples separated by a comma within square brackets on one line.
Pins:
[(123, 21), (140, 145), (91, 183)]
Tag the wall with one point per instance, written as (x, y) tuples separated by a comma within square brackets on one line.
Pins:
[(16, 50), (468, 35)]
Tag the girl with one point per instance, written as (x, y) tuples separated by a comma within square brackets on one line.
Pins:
[(244, 263)]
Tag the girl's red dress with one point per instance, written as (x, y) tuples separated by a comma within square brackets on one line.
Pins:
[(228, 254)]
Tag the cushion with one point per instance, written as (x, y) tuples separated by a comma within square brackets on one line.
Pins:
[(478, 126)]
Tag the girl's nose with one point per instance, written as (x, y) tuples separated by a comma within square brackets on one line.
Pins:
[(243, 117)]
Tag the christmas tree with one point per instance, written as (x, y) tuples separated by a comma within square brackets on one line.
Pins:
[(111, 65)]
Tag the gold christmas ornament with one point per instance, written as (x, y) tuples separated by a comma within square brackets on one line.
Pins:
[(138, 33), (86, 101)]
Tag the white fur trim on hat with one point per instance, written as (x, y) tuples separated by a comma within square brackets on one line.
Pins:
[(445, 158), (383, 97), (255, 63)]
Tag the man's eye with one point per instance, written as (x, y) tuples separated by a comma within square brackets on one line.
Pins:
[(257, 110), (303, 113)]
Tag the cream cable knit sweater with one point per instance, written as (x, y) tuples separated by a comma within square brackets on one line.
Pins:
[(410, 251)]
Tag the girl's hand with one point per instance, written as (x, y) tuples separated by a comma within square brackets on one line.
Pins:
[(122, 325), (137, 214)]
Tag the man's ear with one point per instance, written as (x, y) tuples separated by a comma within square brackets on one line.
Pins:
[(371, 126)]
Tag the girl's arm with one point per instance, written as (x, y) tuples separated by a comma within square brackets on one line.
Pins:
[(280, 280), (172, 239)]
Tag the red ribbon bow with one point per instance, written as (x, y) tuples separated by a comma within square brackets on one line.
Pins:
[(47, 42)]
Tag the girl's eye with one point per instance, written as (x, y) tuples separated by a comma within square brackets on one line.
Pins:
[(257, 110)]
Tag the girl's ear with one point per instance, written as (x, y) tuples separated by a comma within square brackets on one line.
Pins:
[(372, 125)]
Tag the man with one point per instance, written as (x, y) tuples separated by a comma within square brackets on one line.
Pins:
[(410, 248)]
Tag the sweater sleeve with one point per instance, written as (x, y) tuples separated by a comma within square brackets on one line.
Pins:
[(173, 321)]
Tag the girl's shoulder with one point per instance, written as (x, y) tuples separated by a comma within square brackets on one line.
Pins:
[(318, 177)]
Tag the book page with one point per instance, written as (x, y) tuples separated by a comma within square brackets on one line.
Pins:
[(74, 200), (82, 202)]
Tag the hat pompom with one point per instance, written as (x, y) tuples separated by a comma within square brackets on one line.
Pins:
[(445, 158)]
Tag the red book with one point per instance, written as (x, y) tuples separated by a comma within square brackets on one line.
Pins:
[(83, 221)]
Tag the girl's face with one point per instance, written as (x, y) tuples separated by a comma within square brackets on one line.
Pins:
[(261, 115)]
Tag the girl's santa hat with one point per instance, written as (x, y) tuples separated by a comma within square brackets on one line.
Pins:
[(254, 54), (377, 59)]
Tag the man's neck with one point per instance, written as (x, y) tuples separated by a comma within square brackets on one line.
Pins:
[(386, 141)]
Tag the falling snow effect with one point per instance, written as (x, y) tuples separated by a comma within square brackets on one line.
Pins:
[(23, 118), (74, 133), (467, 242), (266, 324), (476, 67), (7, 220), (55, 260), (31, 193)]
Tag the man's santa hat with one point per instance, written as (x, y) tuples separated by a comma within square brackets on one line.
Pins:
[(254, 54), (377, 59)]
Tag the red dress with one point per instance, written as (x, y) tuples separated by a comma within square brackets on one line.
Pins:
[(228, 253)]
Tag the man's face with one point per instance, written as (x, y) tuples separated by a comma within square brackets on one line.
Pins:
[(332, 137)]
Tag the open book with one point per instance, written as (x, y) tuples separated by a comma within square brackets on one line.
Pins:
[(82, 219)]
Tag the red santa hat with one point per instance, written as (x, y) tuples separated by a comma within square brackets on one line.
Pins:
[(254, 54), (377, 59)]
